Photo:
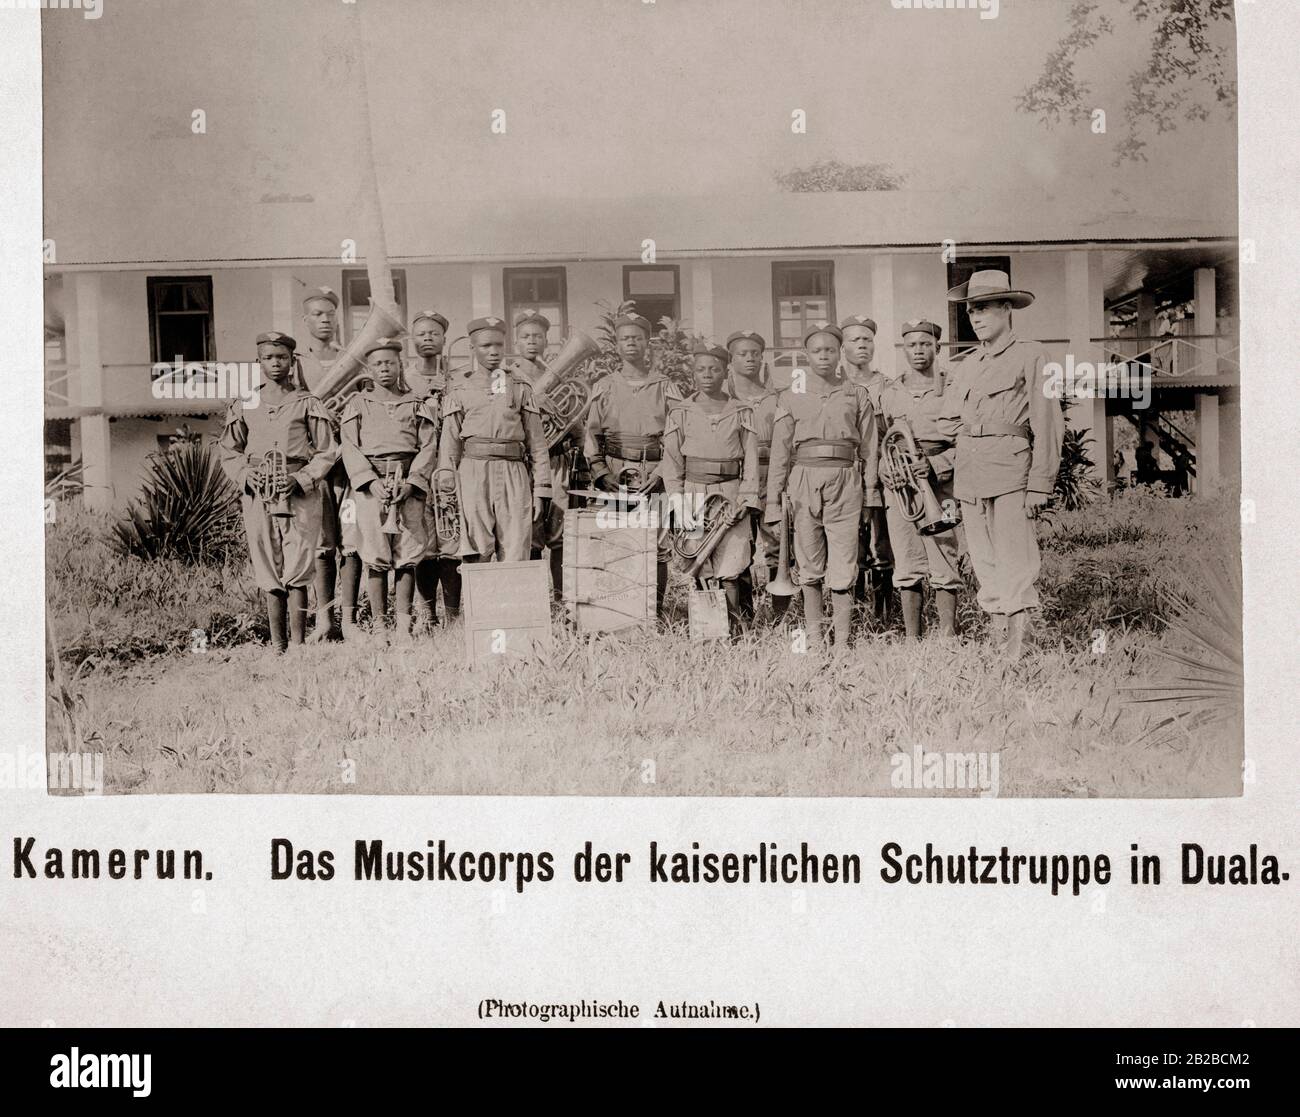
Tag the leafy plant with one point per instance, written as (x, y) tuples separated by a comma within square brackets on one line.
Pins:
[(1076, 485), (188, 510), (671, 347), (1205, 651)]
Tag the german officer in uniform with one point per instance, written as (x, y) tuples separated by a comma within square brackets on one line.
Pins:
[(1009, 430)]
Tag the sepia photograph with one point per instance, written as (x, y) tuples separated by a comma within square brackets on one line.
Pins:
[(837, 398)]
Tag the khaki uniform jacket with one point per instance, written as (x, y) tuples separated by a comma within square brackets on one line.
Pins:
[(990, 393), (621, 407), (471, 409), (371, 426), (298, 426)]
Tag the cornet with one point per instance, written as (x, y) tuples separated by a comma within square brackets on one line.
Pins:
[(446, 509), (271, 483), (390, 508)]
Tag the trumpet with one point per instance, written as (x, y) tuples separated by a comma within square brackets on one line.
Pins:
[(446, 508), (271, 482), (694, 548), (782, 585), (390, 508), (900, 454)]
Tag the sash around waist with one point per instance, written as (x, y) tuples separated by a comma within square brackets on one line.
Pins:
[(494, 449), (633, 447), (712, 471), (826, 451)]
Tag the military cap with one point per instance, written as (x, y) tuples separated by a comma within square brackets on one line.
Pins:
[(524, 317), (923, 326), (275, 337), (704, 349), (823, 328), (390, 343), (859, 320), (433, 316), (634, 319), (487, 323), (321, 293), (747, 335)]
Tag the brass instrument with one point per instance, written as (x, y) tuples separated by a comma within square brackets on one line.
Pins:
[(563, 397), (695, 546), (782, 585), (390, 507), (900, 453), (271, 483), (349, 368), (446, 509)]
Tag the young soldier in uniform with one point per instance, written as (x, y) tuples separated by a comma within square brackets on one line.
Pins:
[(283, 530), (874, 553), (625, 424), (427, 377), (319, 313), (917, 398), (825, 451), (531, 332), (491, 430), (1009, 430), (749, 384), (710, 447)]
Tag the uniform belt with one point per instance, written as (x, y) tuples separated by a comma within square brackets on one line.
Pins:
[(712, 471), (986, 430), (826, 451), (379, 461), (932, 447), (764, 452), (494, 449), (634, 447)]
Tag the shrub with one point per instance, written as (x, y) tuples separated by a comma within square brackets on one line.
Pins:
[(188, 509)]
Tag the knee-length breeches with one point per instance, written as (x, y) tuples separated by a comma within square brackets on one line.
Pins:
[(827, 503), (283, 548)]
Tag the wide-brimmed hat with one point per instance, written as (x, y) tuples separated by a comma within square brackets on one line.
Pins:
[(990, 287)]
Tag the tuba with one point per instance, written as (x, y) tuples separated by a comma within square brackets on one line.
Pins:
[(564, 398), (271, 484), (695, 546), (446, 509), (915, 494), (349, 367)]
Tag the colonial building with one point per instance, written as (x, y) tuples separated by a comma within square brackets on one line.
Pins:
[(1158, 288)]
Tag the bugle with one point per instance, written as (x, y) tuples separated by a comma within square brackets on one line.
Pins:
[(782, 585)]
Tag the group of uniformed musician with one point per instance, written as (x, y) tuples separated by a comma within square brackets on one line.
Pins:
[(329, 497)]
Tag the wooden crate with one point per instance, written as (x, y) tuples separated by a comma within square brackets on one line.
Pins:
[(609, 574), (507, 609)]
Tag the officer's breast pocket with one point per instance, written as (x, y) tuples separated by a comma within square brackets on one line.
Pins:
[(1008, 381)]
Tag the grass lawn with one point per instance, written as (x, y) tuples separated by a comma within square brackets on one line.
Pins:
[(650, 714)]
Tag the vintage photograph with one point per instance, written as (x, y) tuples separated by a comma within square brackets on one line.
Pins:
[(642, 397)]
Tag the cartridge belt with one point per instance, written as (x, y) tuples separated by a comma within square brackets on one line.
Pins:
[(987, 430), (826, 452), (494, 449), (713, 471), (634, 447)]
